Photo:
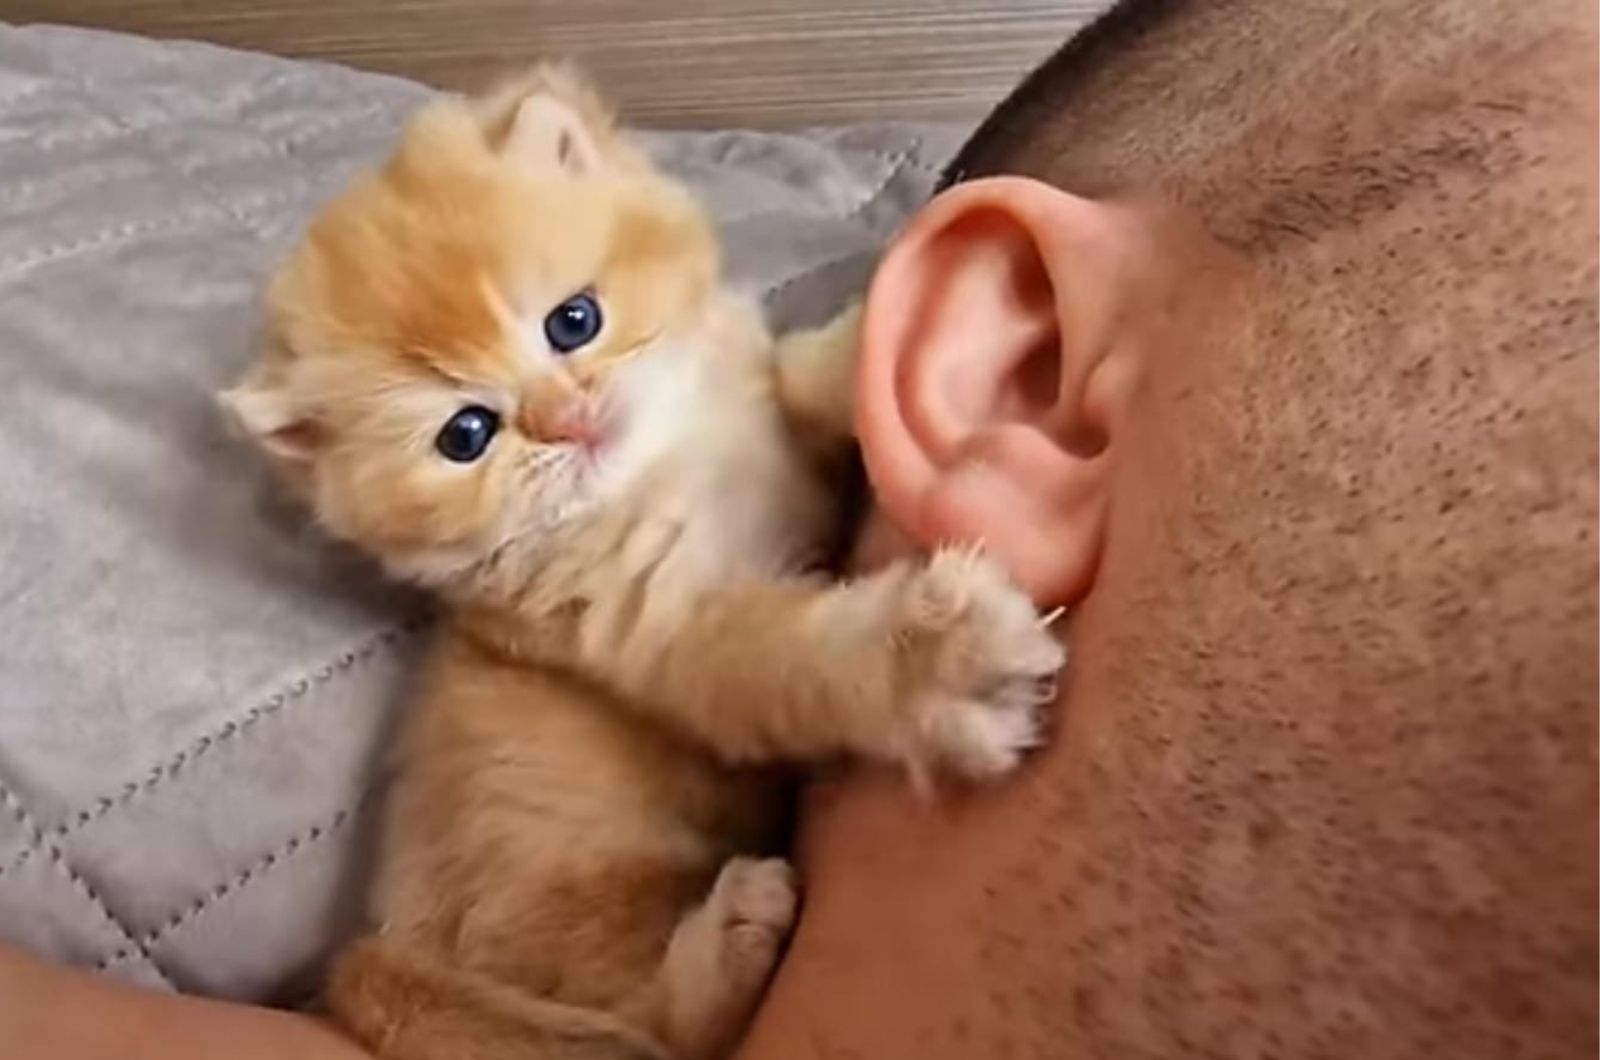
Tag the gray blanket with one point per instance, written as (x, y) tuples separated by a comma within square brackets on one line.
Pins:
[(195, 688)]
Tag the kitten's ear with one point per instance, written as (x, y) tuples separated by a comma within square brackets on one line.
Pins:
[(263, 409), (552, 122), (546, 134)]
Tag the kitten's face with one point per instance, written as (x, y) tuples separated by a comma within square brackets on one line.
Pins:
[(453, 338)]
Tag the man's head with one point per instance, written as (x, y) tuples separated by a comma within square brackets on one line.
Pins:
[(1292, 348)]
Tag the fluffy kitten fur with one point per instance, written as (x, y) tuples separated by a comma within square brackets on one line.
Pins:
[(633, 639)]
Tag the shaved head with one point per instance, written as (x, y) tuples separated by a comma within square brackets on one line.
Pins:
[(1281, 121), (1324, 777)]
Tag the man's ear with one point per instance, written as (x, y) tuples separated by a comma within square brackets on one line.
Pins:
[(265, 409), (991, 374), (550, 122)]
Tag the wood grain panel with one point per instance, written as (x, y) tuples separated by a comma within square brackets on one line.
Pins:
[(764, 63)]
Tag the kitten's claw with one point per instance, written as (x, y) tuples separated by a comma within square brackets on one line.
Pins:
[(981, 665)]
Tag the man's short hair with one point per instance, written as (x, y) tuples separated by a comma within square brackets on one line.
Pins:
[(1054, 82)]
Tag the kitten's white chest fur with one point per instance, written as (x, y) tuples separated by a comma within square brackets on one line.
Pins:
[(702, 488), (703, 437)]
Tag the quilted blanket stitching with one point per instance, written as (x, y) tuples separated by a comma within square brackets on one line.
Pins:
[(251, 94), (902, 163), (910, 155), (12, 267), (118, 234), (784, 284), (894, 161), (265, 149), (118, 130), (229, 730), (233, 728), (811, 270), (255, 870), (79, 884), (239, 208)]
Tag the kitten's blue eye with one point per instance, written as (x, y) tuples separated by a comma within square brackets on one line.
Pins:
[(467, 434), (573, 323)]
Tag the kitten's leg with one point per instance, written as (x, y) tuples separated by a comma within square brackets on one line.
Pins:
[(942, 663), (402, 1005), (816, 381), (721, 957)]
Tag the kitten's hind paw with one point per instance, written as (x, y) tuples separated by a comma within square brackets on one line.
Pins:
[(724, 952), (756, 902)]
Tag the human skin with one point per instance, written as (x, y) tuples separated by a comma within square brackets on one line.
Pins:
[(67, 1014), (1322, 780)]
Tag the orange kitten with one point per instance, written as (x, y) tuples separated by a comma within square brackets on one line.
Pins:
[(504, 364)]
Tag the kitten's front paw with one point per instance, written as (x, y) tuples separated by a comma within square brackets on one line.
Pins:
[(977, 665)]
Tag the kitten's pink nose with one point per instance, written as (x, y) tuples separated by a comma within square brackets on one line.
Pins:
[(573, 423)]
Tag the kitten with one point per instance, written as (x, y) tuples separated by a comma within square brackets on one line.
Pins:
[(504, 365)]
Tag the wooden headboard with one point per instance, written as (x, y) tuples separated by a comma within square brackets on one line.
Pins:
[(762, 63)]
